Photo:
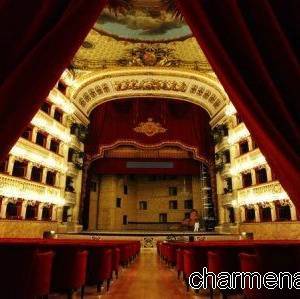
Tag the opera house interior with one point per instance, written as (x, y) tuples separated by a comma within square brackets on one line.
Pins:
[(144, 141)]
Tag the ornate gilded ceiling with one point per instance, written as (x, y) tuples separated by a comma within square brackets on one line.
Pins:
[(117, 60), (101, 52)]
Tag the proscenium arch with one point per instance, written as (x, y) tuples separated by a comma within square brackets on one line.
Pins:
[(199, 89)]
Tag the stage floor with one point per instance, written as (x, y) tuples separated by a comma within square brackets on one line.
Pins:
[(149, 239), (148, 233)]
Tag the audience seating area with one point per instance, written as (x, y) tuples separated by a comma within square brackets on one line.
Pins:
[(233, 256), (33, 268)]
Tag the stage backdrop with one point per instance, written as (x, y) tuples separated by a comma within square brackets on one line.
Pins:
[(150, 123)]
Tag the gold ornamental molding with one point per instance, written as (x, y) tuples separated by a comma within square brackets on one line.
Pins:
[(13, 187), (149, 128), (93, 90), (267, 192), (32, 152)]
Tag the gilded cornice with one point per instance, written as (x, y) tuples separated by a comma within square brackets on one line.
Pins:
[(96, 88), (107, 52)]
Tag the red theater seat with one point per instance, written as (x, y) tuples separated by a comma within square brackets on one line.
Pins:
[(179, 261), (276, 259), (116, 260), (99, 267), (193, 261), (40, 277), (223, 261), (125, 255), (69, 270), (251, 263)]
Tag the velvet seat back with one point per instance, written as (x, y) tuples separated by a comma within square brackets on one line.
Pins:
[(99, 266), (40, 278), (116, 259), (179, 260), (193, 261), (69, 270)]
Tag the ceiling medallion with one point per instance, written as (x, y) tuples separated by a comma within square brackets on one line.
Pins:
[(149, 56), (149, 128)]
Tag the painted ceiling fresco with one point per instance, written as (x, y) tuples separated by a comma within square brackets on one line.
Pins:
[(144, 21)]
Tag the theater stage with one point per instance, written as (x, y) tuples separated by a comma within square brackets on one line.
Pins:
[(148, 239)]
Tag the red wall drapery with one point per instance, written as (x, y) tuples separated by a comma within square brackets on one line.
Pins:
[(253, 46), (186, 125), (38, 41)]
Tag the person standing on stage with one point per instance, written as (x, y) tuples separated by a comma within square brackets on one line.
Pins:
[(194, 220)]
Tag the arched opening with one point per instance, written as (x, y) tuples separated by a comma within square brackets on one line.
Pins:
[(47, 213), (13, 209), (31, 211), (135, 146)]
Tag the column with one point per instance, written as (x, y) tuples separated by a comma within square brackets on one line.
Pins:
[(3, 208), (70, 213), (40, 211), (222, 214), (54, 213), (242, 214), (257, 214), (57, 179), (269, 173), (237, 182), (64, 120), (62, 181), (250, 144), (34, 132), (78, 196), (52, 110), (10, 164), (273, 211), (48, 141), (237, 215), (253, 176), (58, 214), (63, 150), (293, 212), (28, 170), (23, 209), (44, 175)]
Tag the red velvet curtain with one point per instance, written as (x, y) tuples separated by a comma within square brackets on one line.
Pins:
[(115, 122), (37, 42), (253, 46)]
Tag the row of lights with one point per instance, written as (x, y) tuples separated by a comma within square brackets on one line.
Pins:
[(49, 161), (59, 99), (18, 192), (249, 164), (52, 128), (264, 197), (239, 133)]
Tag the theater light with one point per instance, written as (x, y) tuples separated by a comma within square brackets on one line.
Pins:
[(238, 133), (267, 192), (51, 127), (230, 109), (15, 192), (265, 197), (49, 161), (67, 77), (19, 188), (250, 163), (56, 97)]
